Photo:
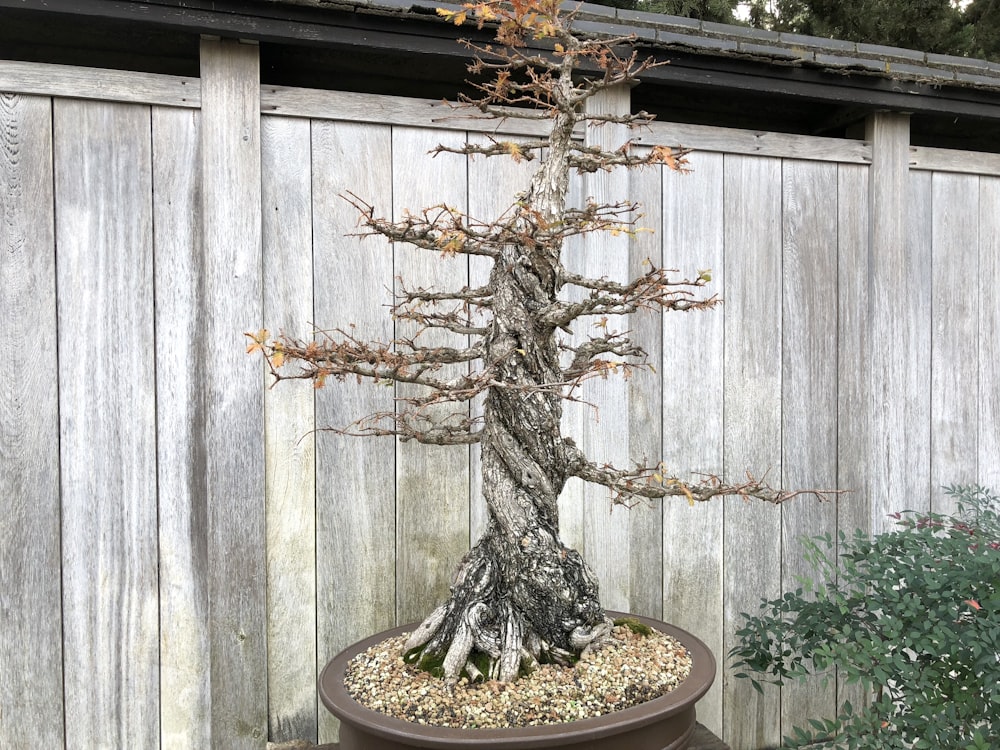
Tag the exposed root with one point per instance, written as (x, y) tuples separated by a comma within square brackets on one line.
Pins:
[(499, 625)]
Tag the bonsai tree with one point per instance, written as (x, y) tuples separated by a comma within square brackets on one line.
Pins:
[(520, 593)]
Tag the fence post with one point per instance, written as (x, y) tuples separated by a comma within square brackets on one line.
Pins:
[(899, 323), (233, 392)]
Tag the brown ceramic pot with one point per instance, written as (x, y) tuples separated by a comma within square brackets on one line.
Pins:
[(665, 723)]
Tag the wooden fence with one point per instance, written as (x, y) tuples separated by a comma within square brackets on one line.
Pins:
[(180, 554)]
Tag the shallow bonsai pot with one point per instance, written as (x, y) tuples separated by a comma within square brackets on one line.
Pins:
[(664, 723)]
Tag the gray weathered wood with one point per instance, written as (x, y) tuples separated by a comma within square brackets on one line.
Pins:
[(752, 432), (607, 542), (691, 368), (355, 491), (104, 235), (386, 110), (955, 332), (99, 83), (900, 333), (853, 509), (185, 657), (432, 482), (757, 143), (809, 391), (233, 393), (644, 395), (952, 160), (31, 711), (988, 347), (289, 445)]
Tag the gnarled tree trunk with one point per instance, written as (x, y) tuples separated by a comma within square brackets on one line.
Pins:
[(520, 594)]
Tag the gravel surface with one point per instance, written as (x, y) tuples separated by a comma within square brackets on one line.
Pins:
[(630, 670)]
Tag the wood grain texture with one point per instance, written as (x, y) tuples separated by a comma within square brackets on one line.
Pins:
[(99, 83), (853, 360), (953, 160), (954, 335), (644, 393), (900, 323), (692, 406), (432, 482), (752, 434), (988, 347), (104, 233), (185, 656), (493, 187), (607, 540), (233, 392), (289, 440), (386, 110), (809, 391), (355, 491), (31, 711), (757, 143)]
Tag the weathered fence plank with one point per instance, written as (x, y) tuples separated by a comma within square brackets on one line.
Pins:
[(185, 656), (756, 143), (103, 189), (607, 543), (900, 336), (752, 433), (988, 348), (289, 445), (355, 491), (432, 482), (233, 386), (809, 390), (127, 86), (692, 350), (953, 160), (853, 365), (955, 332), (31, 687), (644, 395), (380, 109)]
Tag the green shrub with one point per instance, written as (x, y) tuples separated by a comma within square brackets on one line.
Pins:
[(913, 615)]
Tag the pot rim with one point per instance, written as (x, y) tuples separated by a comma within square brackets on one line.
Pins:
[(340, 703)]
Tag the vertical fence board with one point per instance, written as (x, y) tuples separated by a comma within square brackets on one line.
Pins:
[(989, 333), (290, 461), (955, 332), (809, 390), (900, 340), (853, 360), (108, 428), (355, 493), (576, 416), (753, 420), (432, 482), (691, 368), (31, 711), (231, 172), (185, 704), (911, 303), (644, 396), (607, 542)]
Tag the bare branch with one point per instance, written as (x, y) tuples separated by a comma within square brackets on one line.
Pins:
[(339, 354), (628, 485), (454, 429), (652, 290)]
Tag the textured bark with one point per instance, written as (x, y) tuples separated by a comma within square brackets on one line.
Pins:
[(521, 595)]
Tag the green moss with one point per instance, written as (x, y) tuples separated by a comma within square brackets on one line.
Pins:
[(634, 625)]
